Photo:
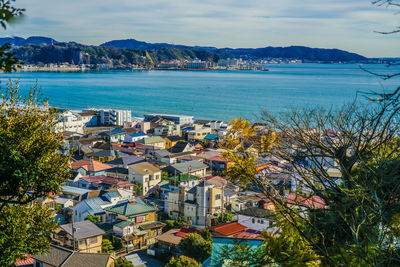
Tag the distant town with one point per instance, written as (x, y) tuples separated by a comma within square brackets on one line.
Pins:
[(196, 64)]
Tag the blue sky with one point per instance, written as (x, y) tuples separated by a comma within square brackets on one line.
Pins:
[(343, 24)]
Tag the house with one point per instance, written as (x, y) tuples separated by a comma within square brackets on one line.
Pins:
[(73, 192), (85, 234), (244, 200), (89, 167), (27, 261), (227, 229), (197, 132), (147, 175), (256, 219), (167, 128), (103, 182), (62, 257), (171, 239), (95, 206), (64, 202), (193, 167), (198, 204), (175, 182), (170, 141), (218, 164), (109, 154), (125, 161), (181, 146), (156, 141), (136, 223), (134, 137), (116, 135), (69, 121)]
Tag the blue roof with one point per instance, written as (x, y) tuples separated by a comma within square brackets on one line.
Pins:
[(94, 204), (211, 137), (74, 190), (137, 134), (112, 194)]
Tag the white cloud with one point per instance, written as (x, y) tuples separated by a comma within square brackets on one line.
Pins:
[(341, 24)]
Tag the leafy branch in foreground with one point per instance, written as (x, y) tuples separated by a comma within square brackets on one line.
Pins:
[(30, 168)]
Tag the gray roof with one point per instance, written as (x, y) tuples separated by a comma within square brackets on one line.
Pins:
[(55, 257), (126, 160), (84, 229), (163, 153), (255, 212), (59, 256), (193, 165), (87, 260)]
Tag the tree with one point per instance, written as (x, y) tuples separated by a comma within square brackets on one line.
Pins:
[(182, 261), (8, 14), (122, 262), (206, 234), (178, 222), (93, 218), (106, 246), (224, 217), (196, 247), (164, 176), (139, 189), (30, 168)]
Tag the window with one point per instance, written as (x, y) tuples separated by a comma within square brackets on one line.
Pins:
[(253, 220), (217, 196), (258, 221), (82, 242), (262, 221), (93, 240)]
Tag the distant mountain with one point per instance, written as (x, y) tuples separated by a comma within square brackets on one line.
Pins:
[(38, 50), (19, 41), (292, 52)]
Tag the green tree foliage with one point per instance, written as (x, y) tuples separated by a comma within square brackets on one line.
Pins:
[(30, 168), (182, 261), (164, 176), (93, 218), (206, 234), (196, 247), (224, 217), (178, 222), (8, 14), (122, 262), (139, 189), (106, 246)]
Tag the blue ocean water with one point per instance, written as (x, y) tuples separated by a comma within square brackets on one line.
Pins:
[(208, 94)]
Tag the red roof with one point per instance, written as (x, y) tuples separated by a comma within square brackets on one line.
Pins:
[(89, 165), (184, 231), (228, 229), (262, 167), (98, 179), (219, 158), (27, 261), (311, 202)]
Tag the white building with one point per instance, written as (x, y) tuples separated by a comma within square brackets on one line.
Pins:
[(69, 121), (112, 116), (256, 219), (177, 119), (147, 175)]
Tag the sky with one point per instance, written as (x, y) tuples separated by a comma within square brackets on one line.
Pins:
[(344, 24)]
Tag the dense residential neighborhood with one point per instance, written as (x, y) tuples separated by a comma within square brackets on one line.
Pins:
[(140, 186)]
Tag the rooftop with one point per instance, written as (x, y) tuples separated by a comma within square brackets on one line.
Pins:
[(187, 166), (228, 229), (128, 160), (183, 177), (130, 208), (151, 140), (89, 165), (144, 168), (83, 229)]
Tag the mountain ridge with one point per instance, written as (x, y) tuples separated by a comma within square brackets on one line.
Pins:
[(166, 51)]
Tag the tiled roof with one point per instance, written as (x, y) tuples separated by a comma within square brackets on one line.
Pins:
[(128, 160), (84, 229), (89, 165), (130, 208), (179, 147), (144, 168), (58, 256), (74, 190), (311, 202), (122, 224), (193, 165), (184, 231), (170, 237), (228, 229), (255, 212), (95, 204), (151, 140), (174, 138), (217, 180), (151, 225), (29, 260)]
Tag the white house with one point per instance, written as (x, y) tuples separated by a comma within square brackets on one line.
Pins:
[(256, 219), (134, 137), (146, 174)]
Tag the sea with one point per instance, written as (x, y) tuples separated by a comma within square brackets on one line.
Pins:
[(219, 94)]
